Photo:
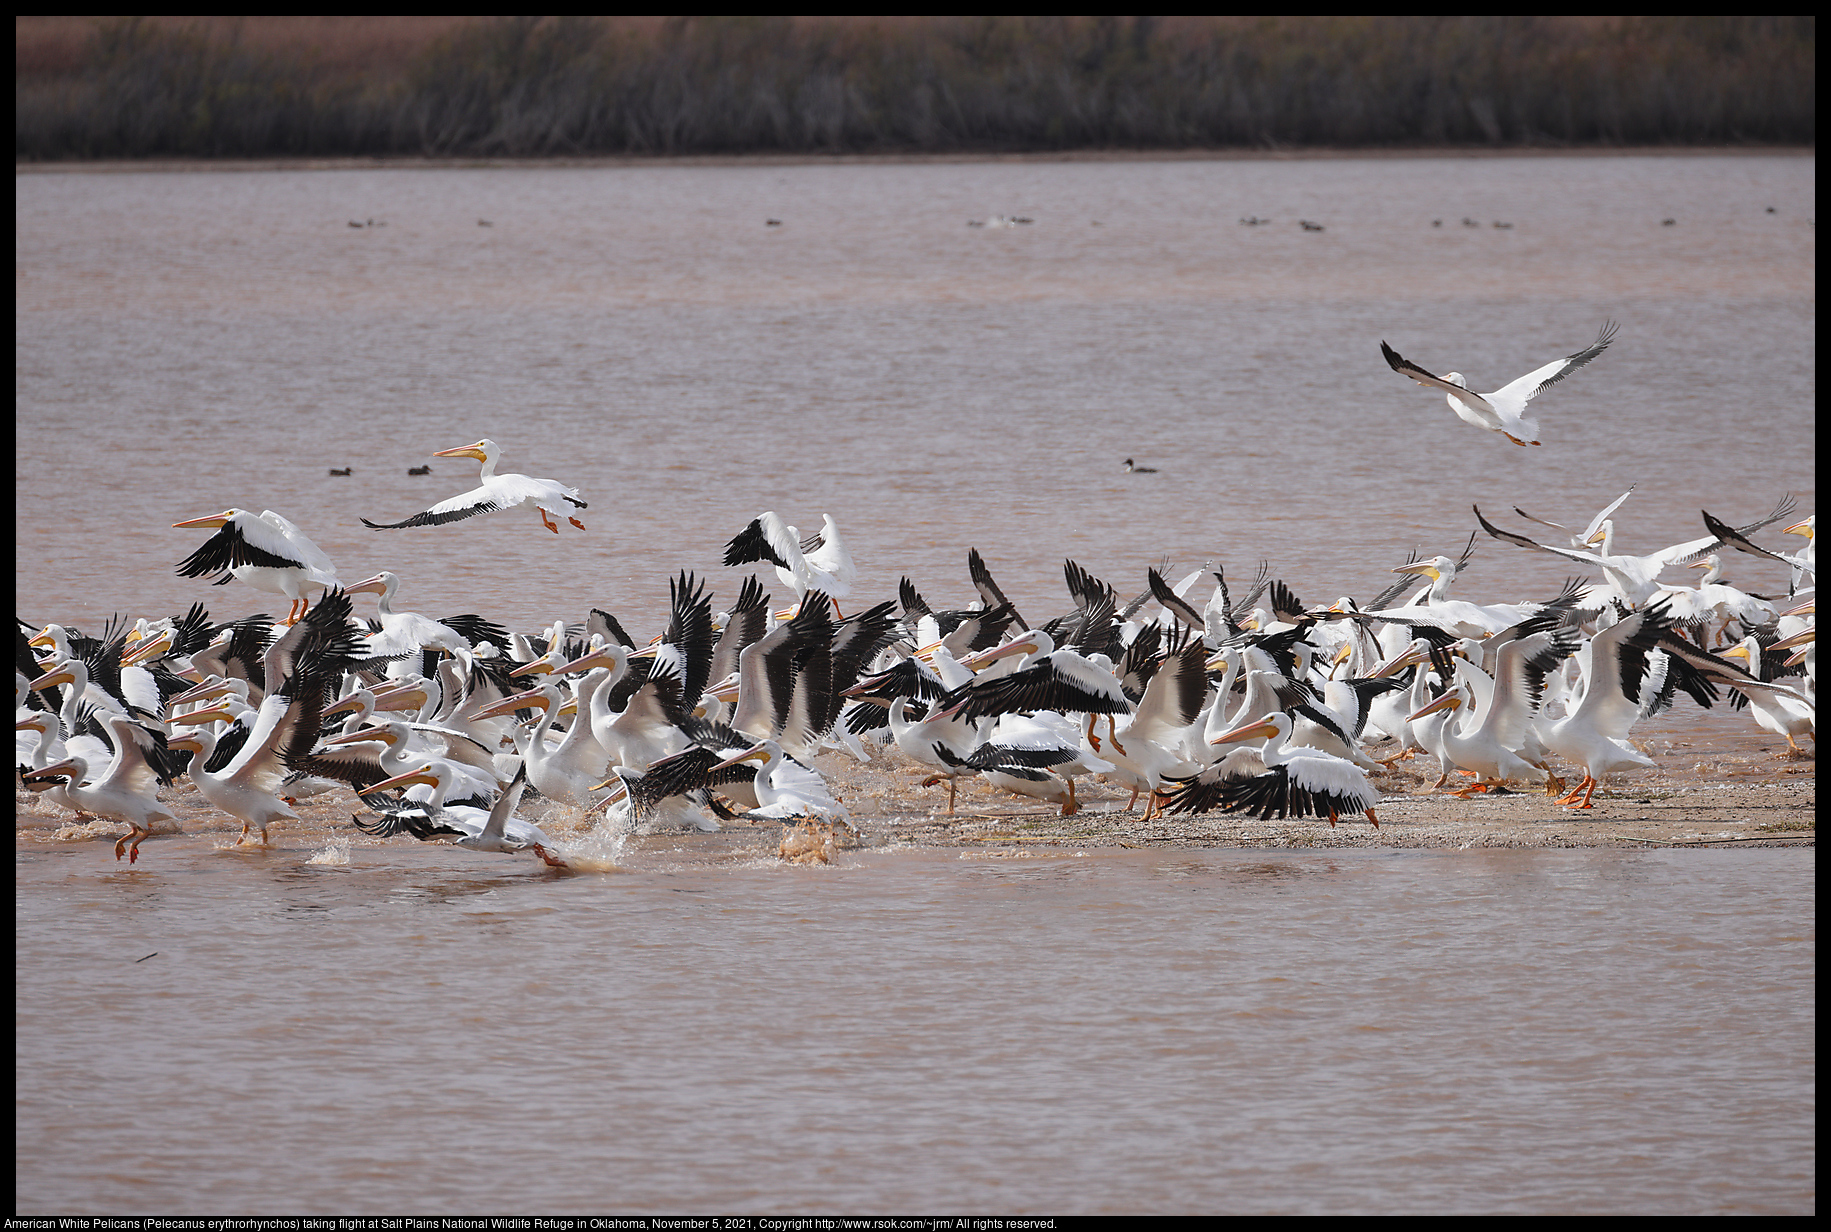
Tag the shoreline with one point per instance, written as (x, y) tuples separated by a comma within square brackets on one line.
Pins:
[(1220, 154), (1653, 810)]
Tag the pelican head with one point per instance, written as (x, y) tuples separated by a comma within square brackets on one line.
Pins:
[(1028, 642), (1451, 700), (546, 697), (213, 521), (383, 584), (431, 774), (482, 451), (61, 674), (1433, 568), (759, 752), (1265, 727)]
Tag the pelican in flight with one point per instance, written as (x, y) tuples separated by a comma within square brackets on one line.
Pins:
[(1504, 410), (815, 562), (551, 497), (265, 551)]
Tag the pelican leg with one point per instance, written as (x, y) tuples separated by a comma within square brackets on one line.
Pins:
[(1587, 788), (1133, 802), (1553, 784), (120, 844), (1331, 819), (546, 521), (1112, 733), (551, 860), (576, 523), (1073, 806), (1373, 819), (1093, 740), (1438, 785), (951, 787), (133, 850)]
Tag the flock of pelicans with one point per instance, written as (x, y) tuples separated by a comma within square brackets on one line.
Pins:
[(1196, 698)]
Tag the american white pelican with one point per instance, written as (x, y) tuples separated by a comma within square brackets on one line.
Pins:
[(785, 788), (1780, 711), (567, 771), (648, 727), (247, 788), (1804, 645), (817, 562), (1716, 601), (405, 633), (1801, 563), (1050, 679), (551, 498), (1594, 734), (1296, 781), (1591, 533), (1496, 742), (265, 551), (1504, 410), (1458, 617), (498, 829), (942, 741), (1636, 578), (1147, 747), (125, 791), (989, 590), (1019, 771)]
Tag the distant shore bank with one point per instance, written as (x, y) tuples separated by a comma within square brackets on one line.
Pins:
[(982, 86), (416, 162)]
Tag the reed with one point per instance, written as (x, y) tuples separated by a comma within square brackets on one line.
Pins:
[(527, 87)]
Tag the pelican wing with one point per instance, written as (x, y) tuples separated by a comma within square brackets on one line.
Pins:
[(989, 589), (1595, 523), (1404, 366), (1530, 385), (241, 542), (1301, 787), (1173, 699), (1588, 558), (1173, 603), (309, 553), (505, 806), (1061, 681), (454, 509), (1729, 536), (766, 538)]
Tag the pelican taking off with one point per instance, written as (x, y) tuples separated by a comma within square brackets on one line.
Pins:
[(1504, 410), (551, 497), (264, 550)]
